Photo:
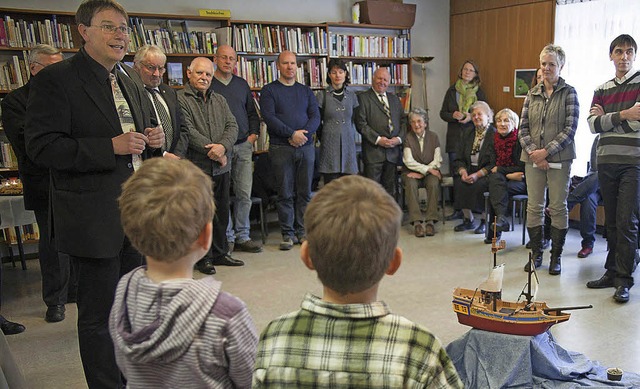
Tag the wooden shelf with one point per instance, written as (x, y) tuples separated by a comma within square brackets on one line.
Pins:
[(365, 26)]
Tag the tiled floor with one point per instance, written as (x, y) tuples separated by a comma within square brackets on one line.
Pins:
[(273, 282)]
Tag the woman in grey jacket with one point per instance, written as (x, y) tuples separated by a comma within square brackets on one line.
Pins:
[(549, 122)]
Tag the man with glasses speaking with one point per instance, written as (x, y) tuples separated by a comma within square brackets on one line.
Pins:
[(149, 62), (91, 126)]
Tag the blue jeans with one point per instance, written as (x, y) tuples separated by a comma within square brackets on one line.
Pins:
[(293, 171), (242, 180), (620, 187), (586, 194)]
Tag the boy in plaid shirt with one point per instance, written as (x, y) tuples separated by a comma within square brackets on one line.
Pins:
[(348, 338)]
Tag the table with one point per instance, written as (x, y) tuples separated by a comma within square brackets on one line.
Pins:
[(13, 214)]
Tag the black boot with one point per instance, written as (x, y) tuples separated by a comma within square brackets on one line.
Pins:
[(557, 243), (535, 239)]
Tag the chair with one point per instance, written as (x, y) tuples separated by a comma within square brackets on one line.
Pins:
[(446, 182), (517, 201)]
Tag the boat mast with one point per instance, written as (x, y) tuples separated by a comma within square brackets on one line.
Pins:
[(528, 295), (495, 245)]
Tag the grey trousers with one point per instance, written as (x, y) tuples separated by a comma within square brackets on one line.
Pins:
[(411, 185), (557, 180)]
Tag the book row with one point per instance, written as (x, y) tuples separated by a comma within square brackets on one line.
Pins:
[(14, 73), (362, 73), (21, 33), (260, 71), (29, 232), (369, 46), (9, 159), (259, 39), (172, 40)]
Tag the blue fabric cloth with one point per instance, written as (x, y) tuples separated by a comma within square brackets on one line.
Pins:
[(491, 360)]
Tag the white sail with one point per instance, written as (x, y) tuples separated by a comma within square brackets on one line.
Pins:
[(493, 283), (534, 284)]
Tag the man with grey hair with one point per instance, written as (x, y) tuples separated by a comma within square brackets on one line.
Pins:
[(382, 122), (54, 266), (149, 62), (212, 132)]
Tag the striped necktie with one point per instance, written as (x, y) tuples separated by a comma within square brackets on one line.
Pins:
[(387, 112), (165, 120), (124, 115)]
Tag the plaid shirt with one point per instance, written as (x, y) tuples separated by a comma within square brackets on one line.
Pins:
[(354, 345)]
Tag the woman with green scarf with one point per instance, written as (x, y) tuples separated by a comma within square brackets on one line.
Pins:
[(455, 110)]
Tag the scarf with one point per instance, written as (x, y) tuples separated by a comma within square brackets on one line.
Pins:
[(477, 141), (467, 95), (504, 148)]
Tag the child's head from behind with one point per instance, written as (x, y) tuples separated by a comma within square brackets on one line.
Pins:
[(352, 227), (164, 207)]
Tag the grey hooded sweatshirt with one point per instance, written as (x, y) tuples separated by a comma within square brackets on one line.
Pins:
[(181, 334)]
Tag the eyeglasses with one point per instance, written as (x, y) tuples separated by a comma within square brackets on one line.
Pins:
[(111, 30), (41, 64), (153, 68)]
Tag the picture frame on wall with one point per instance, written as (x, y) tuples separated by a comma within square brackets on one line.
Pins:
[(521, 81)]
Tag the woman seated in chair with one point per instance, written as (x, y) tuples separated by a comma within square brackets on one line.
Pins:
[(472, 166), (422, 159), (507, 175)]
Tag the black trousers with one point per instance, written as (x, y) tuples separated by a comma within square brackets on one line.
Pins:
[(54, 266), (620, 188), (97, 282), (219, 246)]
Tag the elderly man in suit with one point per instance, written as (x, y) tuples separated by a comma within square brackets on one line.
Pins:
[(382, 122), (54, 267), (149, 62), (91, 126)]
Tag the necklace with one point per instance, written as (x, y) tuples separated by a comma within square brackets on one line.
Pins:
[(336, 93)]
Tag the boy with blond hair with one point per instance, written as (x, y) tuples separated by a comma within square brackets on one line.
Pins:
[(168, 329), (348, 338)]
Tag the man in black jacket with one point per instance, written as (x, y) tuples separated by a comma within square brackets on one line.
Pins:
[(54, 267), (91, 126)]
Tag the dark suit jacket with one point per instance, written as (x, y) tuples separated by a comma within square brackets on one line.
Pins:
[(463, 154), (371, 122), (71, 118), (180, 141), (35, 179)]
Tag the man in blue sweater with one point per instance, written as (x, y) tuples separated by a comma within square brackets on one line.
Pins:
[(291, 112), (238, 94)]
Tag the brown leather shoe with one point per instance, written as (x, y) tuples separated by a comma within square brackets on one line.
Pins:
[(429, 230), (585, 252), (418, 229)]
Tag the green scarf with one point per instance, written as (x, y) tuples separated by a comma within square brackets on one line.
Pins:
[(467, 93)]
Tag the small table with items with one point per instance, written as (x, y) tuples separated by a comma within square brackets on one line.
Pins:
[(13, 214)]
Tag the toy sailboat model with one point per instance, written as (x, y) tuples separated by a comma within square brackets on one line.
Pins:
[(484, 309)]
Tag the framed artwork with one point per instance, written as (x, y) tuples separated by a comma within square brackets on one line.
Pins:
[(521, 82)]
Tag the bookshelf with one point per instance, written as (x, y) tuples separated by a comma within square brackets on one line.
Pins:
[(183, 37), (366, 47)]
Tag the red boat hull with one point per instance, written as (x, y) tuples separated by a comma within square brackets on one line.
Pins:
[(503, 327)]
